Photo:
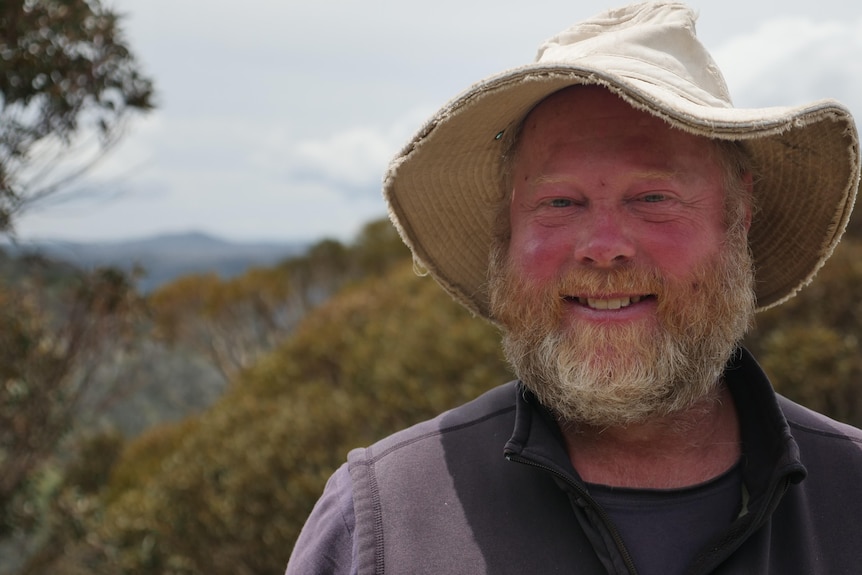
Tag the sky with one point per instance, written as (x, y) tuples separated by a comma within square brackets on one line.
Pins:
[(276, 119)]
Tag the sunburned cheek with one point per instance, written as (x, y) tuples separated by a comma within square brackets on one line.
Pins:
[(677, 255), (539, 258)]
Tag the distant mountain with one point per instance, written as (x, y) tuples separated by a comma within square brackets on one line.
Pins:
[(165, 257)]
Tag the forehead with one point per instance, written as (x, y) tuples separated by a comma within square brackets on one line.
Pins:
[(592, 118)]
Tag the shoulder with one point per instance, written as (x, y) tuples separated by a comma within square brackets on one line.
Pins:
[(493, 409), (325, 544), (406, 486), (808, 423), (822, 440)]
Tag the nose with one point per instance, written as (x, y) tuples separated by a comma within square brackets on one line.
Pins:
[(603, 241)]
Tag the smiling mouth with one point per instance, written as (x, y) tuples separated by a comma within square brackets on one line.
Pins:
[(607, 303)]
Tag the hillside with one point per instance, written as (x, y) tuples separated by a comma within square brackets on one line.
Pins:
[(163, 258)]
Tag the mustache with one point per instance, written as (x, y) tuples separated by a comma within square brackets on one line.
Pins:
[(519, 303), (622, 280)]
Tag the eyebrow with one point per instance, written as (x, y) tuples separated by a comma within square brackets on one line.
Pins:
[(640, 175)]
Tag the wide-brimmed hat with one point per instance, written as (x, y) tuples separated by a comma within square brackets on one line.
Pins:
[(445, 184)]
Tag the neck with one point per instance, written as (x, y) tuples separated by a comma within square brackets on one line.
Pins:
[(678, 450)]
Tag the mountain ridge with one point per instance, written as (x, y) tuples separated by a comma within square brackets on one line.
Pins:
[(164, 257)]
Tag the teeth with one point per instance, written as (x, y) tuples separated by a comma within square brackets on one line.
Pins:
[(613, 303)]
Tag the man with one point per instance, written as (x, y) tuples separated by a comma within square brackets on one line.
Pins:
[(621, 222)]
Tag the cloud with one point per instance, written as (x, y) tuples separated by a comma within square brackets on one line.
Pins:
[(353, 157), (793, 61), (352, 160)]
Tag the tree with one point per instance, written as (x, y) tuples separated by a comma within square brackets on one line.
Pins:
[(811, 346), (53, 338), (854, 227), (65, 71), (317, 274), (378, 248), (329, 265), (232, 322), (229, 321)]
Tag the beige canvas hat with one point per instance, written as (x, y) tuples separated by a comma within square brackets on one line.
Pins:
[(442, 188)]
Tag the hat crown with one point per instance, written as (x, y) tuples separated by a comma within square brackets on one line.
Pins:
[(651, 44)]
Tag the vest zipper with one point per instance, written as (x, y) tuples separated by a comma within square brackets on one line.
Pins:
[(773, 498), (603, 515)]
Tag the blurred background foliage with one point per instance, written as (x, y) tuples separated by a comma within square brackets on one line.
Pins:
[(811, 346), (227, 490)]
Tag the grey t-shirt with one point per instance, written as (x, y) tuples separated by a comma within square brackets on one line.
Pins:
[(664, 529)]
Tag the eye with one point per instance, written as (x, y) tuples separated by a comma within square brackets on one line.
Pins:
[(653, 198), (560, 203)]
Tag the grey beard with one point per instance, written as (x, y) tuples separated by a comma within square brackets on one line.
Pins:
[(631, 387)]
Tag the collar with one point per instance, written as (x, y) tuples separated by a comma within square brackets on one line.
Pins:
[(770, 455)]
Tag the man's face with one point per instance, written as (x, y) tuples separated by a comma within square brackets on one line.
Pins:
[(621, 293)]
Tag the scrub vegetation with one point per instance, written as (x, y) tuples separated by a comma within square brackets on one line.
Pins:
[(226, 490)]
